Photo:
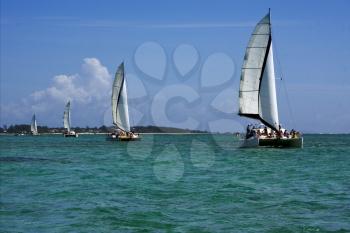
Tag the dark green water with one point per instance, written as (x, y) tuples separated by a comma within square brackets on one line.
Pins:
[(173, 183)]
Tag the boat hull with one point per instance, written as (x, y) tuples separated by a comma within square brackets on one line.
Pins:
[(123, 138), (250, 142), (282, 142), (70, 135), (272, 142), (137, 138)]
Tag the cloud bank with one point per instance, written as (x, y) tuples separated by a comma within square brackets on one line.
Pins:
[(88, 90)]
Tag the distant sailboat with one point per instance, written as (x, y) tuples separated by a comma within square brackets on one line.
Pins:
[(257, 93), (66, 122), (33, 126), (120, 109)]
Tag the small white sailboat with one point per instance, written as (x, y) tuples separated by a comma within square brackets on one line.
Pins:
[(257, 93), (33, 126), (20, 134), (120, 109), (66, 122)]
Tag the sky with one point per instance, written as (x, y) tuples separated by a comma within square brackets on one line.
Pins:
[(182, 60)]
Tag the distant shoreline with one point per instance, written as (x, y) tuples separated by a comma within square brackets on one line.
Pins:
[(86, 133), (25, 128), (161, 130), (164, 133)]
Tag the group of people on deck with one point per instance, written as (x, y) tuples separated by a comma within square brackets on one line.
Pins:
[(126, 134), (254, 131)]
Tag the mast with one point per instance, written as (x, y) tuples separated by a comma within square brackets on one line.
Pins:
[(257, 94)]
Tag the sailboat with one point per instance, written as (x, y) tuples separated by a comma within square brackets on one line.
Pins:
[(120, 109), (33, 126), (257, 93), (66, 122)]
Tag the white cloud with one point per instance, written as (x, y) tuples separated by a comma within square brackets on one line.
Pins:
[(93, 84), (89, 91), (99, 79), (63, 89)]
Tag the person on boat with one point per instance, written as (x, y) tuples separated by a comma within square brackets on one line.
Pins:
[(292, 133), (273, 133), (286, 134), (258, 133), (248, 128), (253, 132), (279, 132), (133, 133), (248, 133), (265, 131)]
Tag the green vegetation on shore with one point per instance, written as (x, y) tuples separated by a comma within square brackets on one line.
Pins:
[(14, 129)]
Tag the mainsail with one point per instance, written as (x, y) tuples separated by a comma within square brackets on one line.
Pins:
[(33, 126), (120, 111), (257, 94), (66, 117)]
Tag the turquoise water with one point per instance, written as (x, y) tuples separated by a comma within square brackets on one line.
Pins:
[(173, 183)]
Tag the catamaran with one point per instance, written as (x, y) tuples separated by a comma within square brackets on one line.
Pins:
[(120, 110), (257, 93), (34, 127), (66, 122)]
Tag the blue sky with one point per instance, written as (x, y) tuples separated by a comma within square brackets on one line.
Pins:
[(52, 51)]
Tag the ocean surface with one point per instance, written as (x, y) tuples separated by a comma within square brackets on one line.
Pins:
[(173, 183)]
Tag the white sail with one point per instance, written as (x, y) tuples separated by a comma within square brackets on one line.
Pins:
[(33, 126), (120, 111), (268, 111), (257, 94), (66, 117)]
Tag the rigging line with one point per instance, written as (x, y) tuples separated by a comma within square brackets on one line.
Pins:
[(289, 105), (284, 85), (132, 120)]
